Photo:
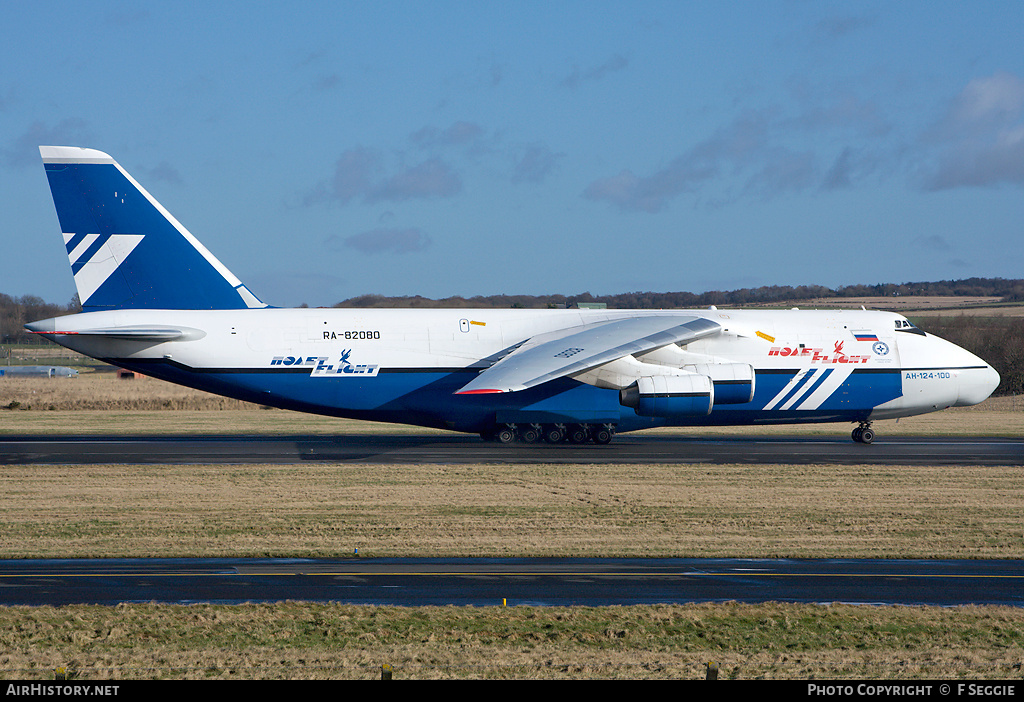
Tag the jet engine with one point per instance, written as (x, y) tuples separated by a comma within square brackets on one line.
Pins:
[(734, 382), (670, 395)]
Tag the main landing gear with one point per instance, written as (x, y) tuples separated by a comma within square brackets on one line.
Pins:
[(551, 433), (864, 434)]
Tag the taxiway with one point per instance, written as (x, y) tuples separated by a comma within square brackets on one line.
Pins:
[(522, 581), (459, 449)]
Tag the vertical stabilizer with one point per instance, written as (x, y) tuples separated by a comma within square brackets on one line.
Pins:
[(125, 249)]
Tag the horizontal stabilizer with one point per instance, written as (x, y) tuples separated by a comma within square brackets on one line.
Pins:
[(48, 327)]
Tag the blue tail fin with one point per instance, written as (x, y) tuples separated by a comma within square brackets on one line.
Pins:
[(126, 250)]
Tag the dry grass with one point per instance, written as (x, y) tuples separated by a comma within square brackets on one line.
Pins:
[(512, 510), (328, 510), (104, 391), (292, 640)]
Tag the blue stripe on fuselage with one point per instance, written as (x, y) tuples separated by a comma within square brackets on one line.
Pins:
[(426, 397)]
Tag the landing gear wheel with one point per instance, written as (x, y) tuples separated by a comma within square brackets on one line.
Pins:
[(554, 433), (505, 434), (578, 434), (863, 434), (530, 433), (602, 434)]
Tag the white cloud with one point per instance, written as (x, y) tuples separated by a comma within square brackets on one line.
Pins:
[(359, 174), (24, 150), (980, 139), (432, 178), (616, 63), (457, 134), (534, 164), (398, 241)]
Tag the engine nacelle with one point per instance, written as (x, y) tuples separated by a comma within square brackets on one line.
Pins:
[(670, 395), (734, 382)]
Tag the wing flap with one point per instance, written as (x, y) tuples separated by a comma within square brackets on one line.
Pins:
[(574, 351)]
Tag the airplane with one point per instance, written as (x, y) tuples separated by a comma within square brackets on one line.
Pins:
[(156, 301)]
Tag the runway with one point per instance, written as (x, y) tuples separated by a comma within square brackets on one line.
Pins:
[(459, 449), (492, 582)]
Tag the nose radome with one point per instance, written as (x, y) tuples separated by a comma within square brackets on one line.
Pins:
[(973, 380), (976, 384)]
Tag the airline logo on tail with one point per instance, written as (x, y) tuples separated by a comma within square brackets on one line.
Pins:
[(94, 257)]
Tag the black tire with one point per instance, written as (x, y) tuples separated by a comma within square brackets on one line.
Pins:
[(867, 435), (601, 435), (529, 433), (505, 435), (553, 433), (578, 434)]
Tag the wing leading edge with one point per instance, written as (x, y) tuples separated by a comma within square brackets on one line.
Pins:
[(574, 351)]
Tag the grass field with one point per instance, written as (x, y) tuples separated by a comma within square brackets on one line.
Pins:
[(319, 641), (326, 510), (495, 510)]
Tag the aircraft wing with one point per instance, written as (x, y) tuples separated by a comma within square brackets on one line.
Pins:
[(579, 349)]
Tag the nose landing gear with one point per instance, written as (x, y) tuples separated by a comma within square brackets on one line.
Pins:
[(863, 434)]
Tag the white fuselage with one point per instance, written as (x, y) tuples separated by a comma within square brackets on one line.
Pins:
[(407, 365)]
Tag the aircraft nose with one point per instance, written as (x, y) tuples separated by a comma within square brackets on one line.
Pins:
[(976, 384)]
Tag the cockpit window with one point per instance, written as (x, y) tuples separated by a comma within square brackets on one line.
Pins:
[(903, 325)]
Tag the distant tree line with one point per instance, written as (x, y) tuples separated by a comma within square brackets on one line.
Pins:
[(15, 312), (997, 340), (1006, 290)]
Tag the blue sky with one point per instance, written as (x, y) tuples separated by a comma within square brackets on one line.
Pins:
[(324, 150)]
